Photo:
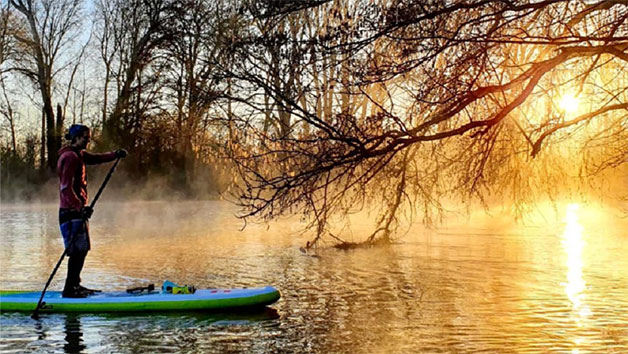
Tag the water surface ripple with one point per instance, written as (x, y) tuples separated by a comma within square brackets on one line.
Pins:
[(559, 289)]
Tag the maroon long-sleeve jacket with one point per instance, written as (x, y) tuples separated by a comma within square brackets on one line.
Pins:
[(72, 175)]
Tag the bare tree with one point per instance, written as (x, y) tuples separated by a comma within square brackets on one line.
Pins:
[(8, 52), (51, 24), (6, 109), (192, 60), (132, 32)]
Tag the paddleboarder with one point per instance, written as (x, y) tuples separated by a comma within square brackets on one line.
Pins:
[(74, 212)]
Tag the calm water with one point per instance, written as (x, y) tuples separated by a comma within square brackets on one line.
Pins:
[(495, 289)]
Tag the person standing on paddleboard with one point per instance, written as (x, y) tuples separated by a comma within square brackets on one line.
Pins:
[(74, 211)]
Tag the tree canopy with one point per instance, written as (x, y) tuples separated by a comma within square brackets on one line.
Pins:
[(324, 108), (402, 105)]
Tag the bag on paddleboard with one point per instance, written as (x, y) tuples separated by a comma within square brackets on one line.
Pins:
[(171, 288)]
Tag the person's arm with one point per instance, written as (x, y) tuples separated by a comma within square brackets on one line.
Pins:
[(69, 164), (95, 159)]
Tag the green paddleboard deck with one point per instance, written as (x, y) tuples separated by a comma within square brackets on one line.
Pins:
[(201, 300)]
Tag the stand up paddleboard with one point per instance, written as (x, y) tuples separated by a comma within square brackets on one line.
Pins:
[(141, 301)]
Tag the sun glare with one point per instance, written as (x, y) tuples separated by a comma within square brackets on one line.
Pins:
[(568, 103)]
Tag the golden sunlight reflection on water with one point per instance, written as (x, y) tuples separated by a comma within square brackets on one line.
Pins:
[(575, 286), (574, 245)]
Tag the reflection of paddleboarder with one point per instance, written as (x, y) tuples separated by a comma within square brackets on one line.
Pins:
[(73, 335), (73, 209)]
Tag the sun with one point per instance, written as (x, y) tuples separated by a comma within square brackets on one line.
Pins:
[(568, 103)]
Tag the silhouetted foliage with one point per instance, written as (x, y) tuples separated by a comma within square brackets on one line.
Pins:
[(457, 99), (325, 108)]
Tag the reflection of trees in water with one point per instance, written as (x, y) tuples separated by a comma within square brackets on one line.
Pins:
[(380, 300), (437, 295)]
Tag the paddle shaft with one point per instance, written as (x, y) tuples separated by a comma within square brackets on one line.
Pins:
[(104, 183), (65, 251)]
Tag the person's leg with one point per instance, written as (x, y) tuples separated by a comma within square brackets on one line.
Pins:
[(76, 241), (75, 266)]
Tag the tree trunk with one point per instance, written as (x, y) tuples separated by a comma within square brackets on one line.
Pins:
[(105, 95), (51, 132), (10, 118), (42, 151), (44, 80), (113, 123), (59, 129)]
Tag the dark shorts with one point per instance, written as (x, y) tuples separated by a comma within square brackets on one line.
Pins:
[(73, 227)]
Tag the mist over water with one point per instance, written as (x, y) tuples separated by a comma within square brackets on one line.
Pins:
[(557, 285)]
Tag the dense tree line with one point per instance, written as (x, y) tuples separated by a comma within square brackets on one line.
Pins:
[(141, 73), (329, 107)]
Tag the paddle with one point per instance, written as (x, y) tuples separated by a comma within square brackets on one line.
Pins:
[(65, 251)]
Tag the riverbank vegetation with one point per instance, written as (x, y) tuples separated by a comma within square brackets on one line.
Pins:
[(327, 108)]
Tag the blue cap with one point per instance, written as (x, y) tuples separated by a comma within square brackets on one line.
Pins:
[(75, 130)]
